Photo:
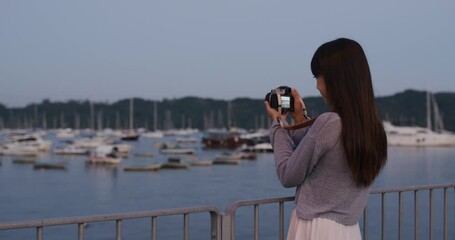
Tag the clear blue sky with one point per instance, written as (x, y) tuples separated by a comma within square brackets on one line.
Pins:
[(105, 50)]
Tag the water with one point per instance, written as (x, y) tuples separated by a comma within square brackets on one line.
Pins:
[(81, 190)]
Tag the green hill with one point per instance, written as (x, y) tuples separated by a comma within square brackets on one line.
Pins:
[(405, 108)]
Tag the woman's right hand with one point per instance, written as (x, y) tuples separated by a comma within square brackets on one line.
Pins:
[(299, 107)]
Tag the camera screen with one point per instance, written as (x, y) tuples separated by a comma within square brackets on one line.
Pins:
[(285, 102)]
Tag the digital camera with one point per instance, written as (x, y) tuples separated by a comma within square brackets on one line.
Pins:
[(286, 99)]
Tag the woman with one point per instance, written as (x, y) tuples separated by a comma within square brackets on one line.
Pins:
[(333, 162)]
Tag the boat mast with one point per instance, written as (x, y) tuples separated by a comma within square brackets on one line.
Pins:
[(428, 111), (131, 114), (92, 116), (229, 109), (438, 123), (100, 120), (44, 121), (155, 115), (117, 120), (77, 121)]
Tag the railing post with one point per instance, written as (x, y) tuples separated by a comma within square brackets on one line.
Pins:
[(256, 222), (281, 227), (416, 215), (227, 227), (186, 227), (383, 216), (80, 231), (119, 229), (154, 228), (365, 223), (431, 215), (445, 213), (400, 215), (39, 233)]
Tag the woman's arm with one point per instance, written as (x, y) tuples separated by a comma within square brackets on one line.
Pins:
[(292, 165)]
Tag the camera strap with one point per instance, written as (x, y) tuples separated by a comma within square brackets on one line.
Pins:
[(307, 123), (301, 125)]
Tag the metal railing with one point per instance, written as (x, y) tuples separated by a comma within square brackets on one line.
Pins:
[(228, 219), (415, 190), (119, 218), (229, 216), (223, 226)]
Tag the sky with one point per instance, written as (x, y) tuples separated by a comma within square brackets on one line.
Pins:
[(107, 50)]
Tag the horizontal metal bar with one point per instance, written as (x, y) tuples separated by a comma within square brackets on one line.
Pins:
[(412, 188), (102, 218), (233, 207)]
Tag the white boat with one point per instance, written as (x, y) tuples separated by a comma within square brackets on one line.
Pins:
[(419, 136), (70, 150), (104, 154), (181, 132), (122, 148), (13, 149), (89, 143), (169, 148), (103, 160), (199, 163), (154, 134), (258, 147), (228, 158), (28, 140), (258, 141), (66, 133)]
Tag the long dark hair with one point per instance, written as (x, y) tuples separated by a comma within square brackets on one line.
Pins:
[(349, 87)]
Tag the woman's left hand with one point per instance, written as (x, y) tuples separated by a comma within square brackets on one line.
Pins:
[(273, 114)]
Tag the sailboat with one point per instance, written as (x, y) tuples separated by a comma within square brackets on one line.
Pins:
[(130, 135), (420, 136), (155, 133)]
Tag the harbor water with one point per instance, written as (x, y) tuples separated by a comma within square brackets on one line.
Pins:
[(83, 190)]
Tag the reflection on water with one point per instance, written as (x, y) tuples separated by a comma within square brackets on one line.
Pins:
[(106, 177)]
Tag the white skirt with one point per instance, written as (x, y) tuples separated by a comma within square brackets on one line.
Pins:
[(321, 229)]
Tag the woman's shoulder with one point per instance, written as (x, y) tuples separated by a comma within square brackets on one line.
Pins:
[(327, 118), (327, 128)]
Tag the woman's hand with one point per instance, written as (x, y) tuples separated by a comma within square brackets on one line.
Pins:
[(273, 114), (299, 107)]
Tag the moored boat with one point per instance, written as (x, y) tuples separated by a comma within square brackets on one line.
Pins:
[(414, 136), (24, 161), (175, 149), (71, 150), (228, 158), (104, 154), (257, 148), (55, 166), (216, 138), (199, 163), (145, 168), (417, 137), (14, 149), (103, 160), (174, 163)]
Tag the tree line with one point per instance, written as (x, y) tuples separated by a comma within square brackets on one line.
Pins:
[(405, 108)]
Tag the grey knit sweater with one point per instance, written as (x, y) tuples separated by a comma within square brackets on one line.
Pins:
[(313, 160)]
